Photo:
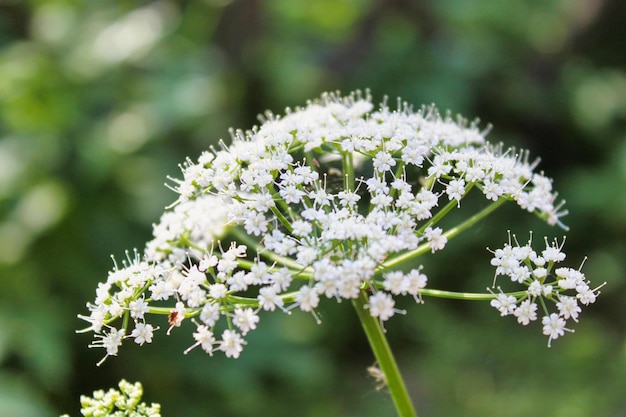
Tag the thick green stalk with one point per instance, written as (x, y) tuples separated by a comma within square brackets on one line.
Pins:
[(385, 358)]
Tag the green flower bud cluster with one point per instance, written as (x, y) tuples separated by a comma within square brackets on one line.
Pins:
[(122, 403)]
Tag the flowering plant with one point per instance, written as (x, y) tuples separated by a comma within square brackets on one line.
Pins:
[(332, 201), (122, 403)]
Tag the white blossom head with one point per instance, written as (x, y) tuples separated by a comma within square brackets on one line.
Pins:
[(544, 284), (123, 402), (326, 201)]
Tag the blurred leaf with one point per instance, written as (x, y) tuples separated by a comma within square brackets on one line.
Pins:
[(19, 399), (100, 101)]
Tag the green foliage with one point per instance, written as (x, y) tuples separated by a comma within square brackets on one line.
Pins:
[(99, 102)]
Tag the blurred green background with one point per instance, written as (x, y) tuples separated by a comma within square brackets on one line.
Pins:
[(100, 101)]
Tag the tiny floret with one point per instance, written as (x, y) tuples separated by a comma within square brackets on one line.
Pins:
[(381, 306)]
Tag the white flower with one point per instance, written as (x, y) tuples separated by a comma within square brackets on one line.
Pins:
[(204, 338), (255, 223), (506, 304), (381, 306), (161, 290), (113, 341), (535, 289), (492, 190), (142, 333), (585, 294), (231, 344), (455, 190), (521, 274), (97, 316), (110, 341), (115, 309), (568, 307), (526, 312), (347, 198), (268, 299), (218, 291), (245, 319), (292, 194), (417, 281), (435, 238), (396, 282), (547, 290), (210, 314), (553, 327), (505, 260), (383, 162), (301, 228), (553, 253), (307, 298)]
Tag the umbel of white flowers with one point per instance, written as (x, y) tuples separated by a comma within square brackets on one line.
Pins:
[(326, 201), (122, 403)]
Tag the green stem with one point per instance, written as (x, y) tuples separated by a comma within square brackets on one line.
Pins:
[(397, 260), (385, 358), (246, 239), (348, 171), (283, 220), (470, 296), (279, 215), (475, 218), (440, 215)]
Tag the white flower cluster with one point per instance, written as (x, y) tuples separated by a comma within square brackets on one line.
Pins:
[(114, 403), (545, 284), (323, 202)]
